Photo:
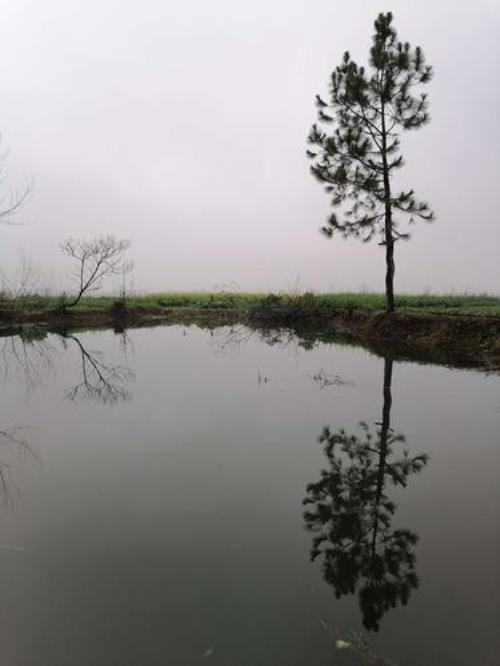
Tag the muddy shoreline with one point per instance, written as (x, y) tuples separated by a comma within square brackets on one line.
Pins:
[(453, 340)]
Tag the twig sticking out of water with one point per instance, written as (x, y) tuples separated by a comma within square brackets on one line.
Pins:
[(355, 642), (325, 380), (261, 379)]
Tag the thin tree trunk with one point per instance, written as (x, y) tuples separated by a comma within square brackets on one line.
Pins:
[(64, 306), (389, 271), (384, 434), (388, 235), (75, 301)]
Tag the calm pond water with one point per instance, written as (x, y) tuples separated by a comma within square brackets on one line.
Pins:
[(166, 500)]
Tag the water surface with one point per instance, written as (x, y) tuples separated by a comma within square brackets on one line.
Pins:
[(165, 500)]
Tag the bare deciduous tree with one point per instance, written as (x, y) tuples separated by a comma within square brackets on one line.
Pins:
[(12, 200), (95, 260), (11, 203)]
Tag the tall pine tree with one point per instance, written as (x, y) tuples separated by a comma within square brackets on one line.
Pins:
[(356, 160)]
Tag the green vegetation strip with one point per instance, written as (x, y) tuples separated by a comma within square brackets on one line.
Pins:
[(479, 305)]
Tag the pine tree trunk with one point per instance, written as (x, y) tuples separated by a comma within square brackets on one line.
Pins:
[(389, 248), (384, 435), (389, 273), (388, 236)]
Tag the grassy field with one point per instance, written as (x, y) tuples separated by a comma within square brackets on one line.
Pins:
[(431, 304)]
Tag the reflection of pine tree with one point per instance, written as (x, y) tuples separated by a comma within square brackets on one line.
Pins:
[(351, 515)]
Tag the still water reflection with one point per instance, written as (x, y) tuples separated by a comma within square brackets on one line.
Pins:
[(34, 356), (14, 450), (157, 486), (351, 514)]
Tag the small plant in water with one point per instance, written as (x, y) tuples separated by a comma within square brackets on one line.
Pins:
[(325, 380), (356, 643)]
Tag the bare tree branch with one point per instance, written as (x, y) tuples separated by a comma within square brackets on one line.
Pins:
[(95, 260)]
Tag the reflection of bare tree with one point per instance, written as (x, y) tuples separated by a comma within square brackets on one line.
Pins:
[(232, 338), (33, 356), (235, 337), (30, 354), (99, 381), (351, 515), (13, 448)]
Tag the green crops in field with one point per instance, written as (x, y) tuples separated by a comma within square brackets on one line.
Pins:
[(451, 304)]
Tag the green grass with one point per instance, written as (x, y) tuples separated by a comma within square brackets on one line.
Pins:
[(201, 300), (465, 304), (452, 304)]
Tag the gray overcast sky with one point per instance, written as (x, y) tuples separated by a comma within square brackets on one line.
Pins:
[(182, 125)]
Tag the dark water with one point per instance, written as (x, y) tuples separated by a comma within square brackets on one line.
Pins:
[(167, 501)]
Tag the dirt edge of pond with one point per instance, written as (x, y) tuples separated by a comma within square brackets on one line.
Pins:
[(476, 339)]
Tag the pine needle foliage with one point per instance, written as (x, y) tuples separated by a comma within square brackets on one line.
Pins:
[(355, 145)]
